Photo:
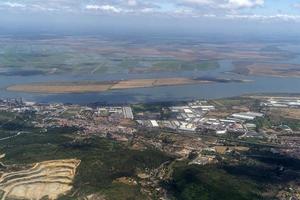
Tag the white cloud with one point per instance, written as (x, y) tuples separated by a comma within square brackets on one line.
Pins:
[(199, 2), (277, 17), (237, 4), (132, 2), (223, 4), (217, 9), (210, 15), (147, 10), (14, 5), (296, 5), (108, 8)]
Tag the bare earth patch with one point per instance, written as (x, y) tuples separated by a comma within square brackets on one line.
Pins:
[(140, 83), (45, 179), (83, 87), (286, 113), (45, 88)]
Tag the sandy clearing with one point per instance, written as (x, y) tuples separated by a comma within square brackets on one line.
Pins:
[(138, 83)]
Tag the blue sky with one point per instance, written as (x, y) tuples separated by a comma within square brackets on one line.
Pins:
[(244, 16), (226, 9)]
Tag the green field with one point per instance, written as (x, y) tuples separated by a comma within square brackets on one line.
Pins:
[(177, 65), (88, 56)]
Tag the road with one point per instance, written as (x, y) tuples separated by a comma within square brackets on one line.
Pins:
[(13, 136)]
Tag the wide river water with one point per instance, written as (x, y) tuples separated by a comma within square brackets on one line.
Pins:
[(259, 84)]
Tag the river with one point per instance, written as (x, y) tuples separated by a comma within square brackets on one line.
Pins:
[(260, 84)]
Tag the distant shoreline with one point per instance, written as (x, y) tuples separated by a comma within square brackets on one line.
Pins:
[(90, 86), (281, 70)]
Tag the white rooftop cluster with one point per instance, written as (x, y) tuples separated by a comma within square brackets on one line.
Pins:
[(247, 115), (126, 111), (282, 102)]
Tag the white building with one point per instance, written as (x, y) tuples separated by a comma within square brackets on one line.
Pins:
[(154, 123)]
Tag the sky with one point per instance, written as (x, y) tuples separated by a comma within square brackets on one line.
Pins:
[(187, 15)]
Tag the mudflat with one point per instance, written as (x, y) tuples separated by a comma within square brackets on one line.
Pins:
[(84, 87)]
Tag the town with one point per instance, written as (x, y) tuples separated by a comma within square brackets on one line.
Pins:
[(198, 117)]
